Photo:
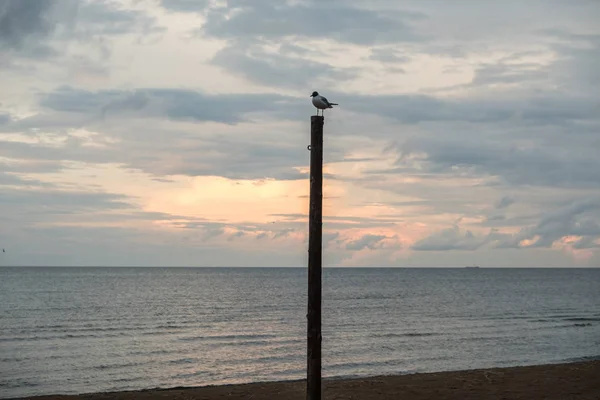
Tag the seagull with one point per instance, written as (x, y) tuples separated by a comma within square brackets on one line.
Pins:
[(321, 102)]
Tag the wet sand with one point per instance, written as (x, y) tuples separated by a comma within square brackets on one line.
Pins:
[(550, 382)]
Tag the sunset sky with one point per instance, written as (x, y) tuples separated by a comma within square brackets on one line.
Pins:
[(174, 132)]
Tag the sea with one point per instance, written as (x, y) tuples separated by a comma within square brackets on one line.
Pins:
[(80, 330)]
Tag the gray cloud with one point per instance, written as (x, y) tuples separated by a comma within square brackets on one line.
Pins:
[(388, 55), (449, 239), (184, 5), (30, 206), (31, 166), (249, 27), (504, 202), (576, 68), (283, 233), (125, 115), (195, 152), (538, 108), (525, 136), (276, 69), (41, 29), (579, 218), (367, 241), (491, 74), (24, 20), (207, 230), (103, 18), (587, 242), (234, 158), (38, 152), (61, 201), (177, 104), (344, 23), (329, 237), (540, 166), (7, 178), (237, 159), (289, 48)]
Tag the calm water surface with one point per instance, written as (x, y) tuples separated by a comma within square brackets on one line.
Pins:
[(74, 330)]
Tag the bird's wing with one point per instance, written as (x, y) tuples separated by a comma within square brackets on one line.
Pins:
[(325, 100)]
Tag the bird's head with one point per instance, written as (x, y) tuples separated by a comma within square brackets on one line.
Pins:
[(314, 94)]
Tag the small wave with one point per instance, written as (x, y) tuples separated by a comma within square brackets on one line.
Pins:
[(40, 338), (582, 319), (58, 356), (279, 358), (577, 322), (274, 359), (158, 352), (106, 325), (486, 338), (293, 372), (87, 328), (561, 326), (129, 379), (507, 317), (116, 366), (568, 317), (583, 359), (157, 333), (236, 344), (18, 383), (195, 374), (172, 326), (14, 359), (228, 337), (183, 361), (407, 334), (362, 364)]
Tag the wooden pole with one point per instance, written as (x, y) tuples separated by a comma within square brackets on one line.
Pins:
[(315, 235)]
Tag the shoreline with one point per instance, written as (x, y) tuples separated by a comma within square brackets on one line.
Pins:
[(574, 380)]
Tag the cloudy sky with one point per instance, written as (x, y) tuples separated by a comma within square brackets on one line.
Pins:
[(174, 132)]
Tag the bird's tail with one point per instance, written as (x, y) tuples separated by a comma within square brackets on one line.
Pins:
[(333, 104)]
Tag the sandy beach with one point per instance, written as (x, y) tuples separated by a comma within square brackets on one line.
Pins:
[(550, 382)]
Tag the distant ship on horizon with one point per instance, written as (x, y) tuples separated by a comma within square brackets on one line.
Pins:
[(472, 266)]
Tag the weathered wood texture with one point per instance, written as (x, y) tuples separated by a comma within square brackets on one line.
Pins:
[(315, 235)]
